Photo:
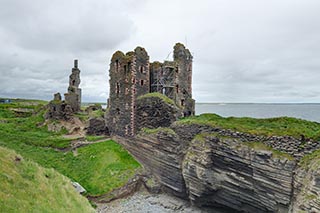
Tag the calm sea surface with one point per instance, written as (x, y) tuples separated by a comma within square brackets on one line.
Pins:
[(305, 111)]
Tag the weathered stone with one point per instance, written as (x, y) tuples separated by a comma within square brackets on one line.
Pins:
[(78, 187), (225, 172), (57, 97), (63, 110), (97, 126), (131, 76), (58, 110), (153, 112), (73, 96), (307, 188), (215, 170)]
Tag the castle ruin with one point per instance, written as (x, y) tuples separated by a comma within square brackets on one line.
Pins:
[(132, 75), (73, 96), (58, 109)]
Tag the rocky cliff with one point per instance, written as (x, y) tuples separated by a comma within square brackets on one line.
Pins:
[(224, 171), (222, 168)]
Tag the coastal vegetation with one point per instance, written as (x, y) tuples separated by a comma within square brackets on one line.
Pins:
[(27, 187), (157, 95), (281, 126), (98, 167)]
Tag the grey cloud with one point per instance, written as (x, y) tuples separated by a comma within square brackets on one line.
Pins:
[(244, 51)]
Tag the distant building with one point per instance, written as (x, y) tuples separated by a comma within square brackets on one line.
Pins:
[(132, 75), (5, 101)]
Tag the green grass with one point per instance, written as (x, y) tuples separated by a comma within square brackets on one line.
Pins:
[(97, 114), (28, 129), (27, 187), (83, 116), (157, 95), (155, 131), (262, 146), (94, 137), (98, 167), (311, 160), (268, 127)]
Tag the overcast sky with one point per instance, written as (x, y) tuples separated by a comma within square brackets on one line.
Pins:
[(244, 50)]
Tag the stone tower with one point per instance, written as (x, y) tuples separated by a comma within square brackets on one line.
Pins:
[(174, 78), (73, 96), (131, 76)]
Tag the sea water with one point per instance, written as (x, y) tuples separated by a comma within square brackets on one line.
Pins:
[(304, 111)]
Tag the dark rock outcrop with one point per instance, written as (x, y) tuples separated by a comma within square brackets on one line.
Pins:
[(216, 168), (97, 126), (307, 188), (153, 112), (160, 153), (224, 171)]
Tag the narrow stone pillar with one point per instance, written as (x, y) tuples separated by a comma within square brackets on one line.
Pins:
[(76, 63)]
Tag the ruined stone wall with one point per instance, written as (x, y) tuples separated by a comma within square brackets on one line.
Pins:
[(73, 96), (131, 76), (183, 58), (121, 85), (174, 79), (63, 110)]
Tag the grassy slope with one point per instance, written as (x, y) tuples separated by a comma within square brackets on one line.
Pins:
[(272, 126), (98, 167), (27, 187)]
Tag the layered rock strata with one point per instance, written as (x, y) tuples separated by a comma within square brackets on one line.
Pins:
[(212, 169)]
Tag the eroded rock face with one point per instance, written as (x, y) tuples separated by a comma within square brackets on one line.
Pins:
[(160, 153), (224, 171), (307, 188), (215, 170)]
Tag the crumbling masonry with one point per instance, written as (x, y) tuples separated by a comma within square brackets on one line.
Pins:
[(73, 96), (132, 75), (58, 109)]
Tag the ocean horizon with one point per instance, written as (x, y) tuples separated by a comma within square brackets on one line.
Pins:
[(307, 111)]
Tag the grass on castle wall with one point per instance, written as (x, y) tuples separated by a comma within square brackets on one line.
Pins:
[(27, 187), (157, 95), (98, 167), (280, 126)]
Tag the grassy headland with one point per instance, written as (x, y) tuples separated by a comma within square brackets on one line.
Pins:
[(98, 167), (281, 126)]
